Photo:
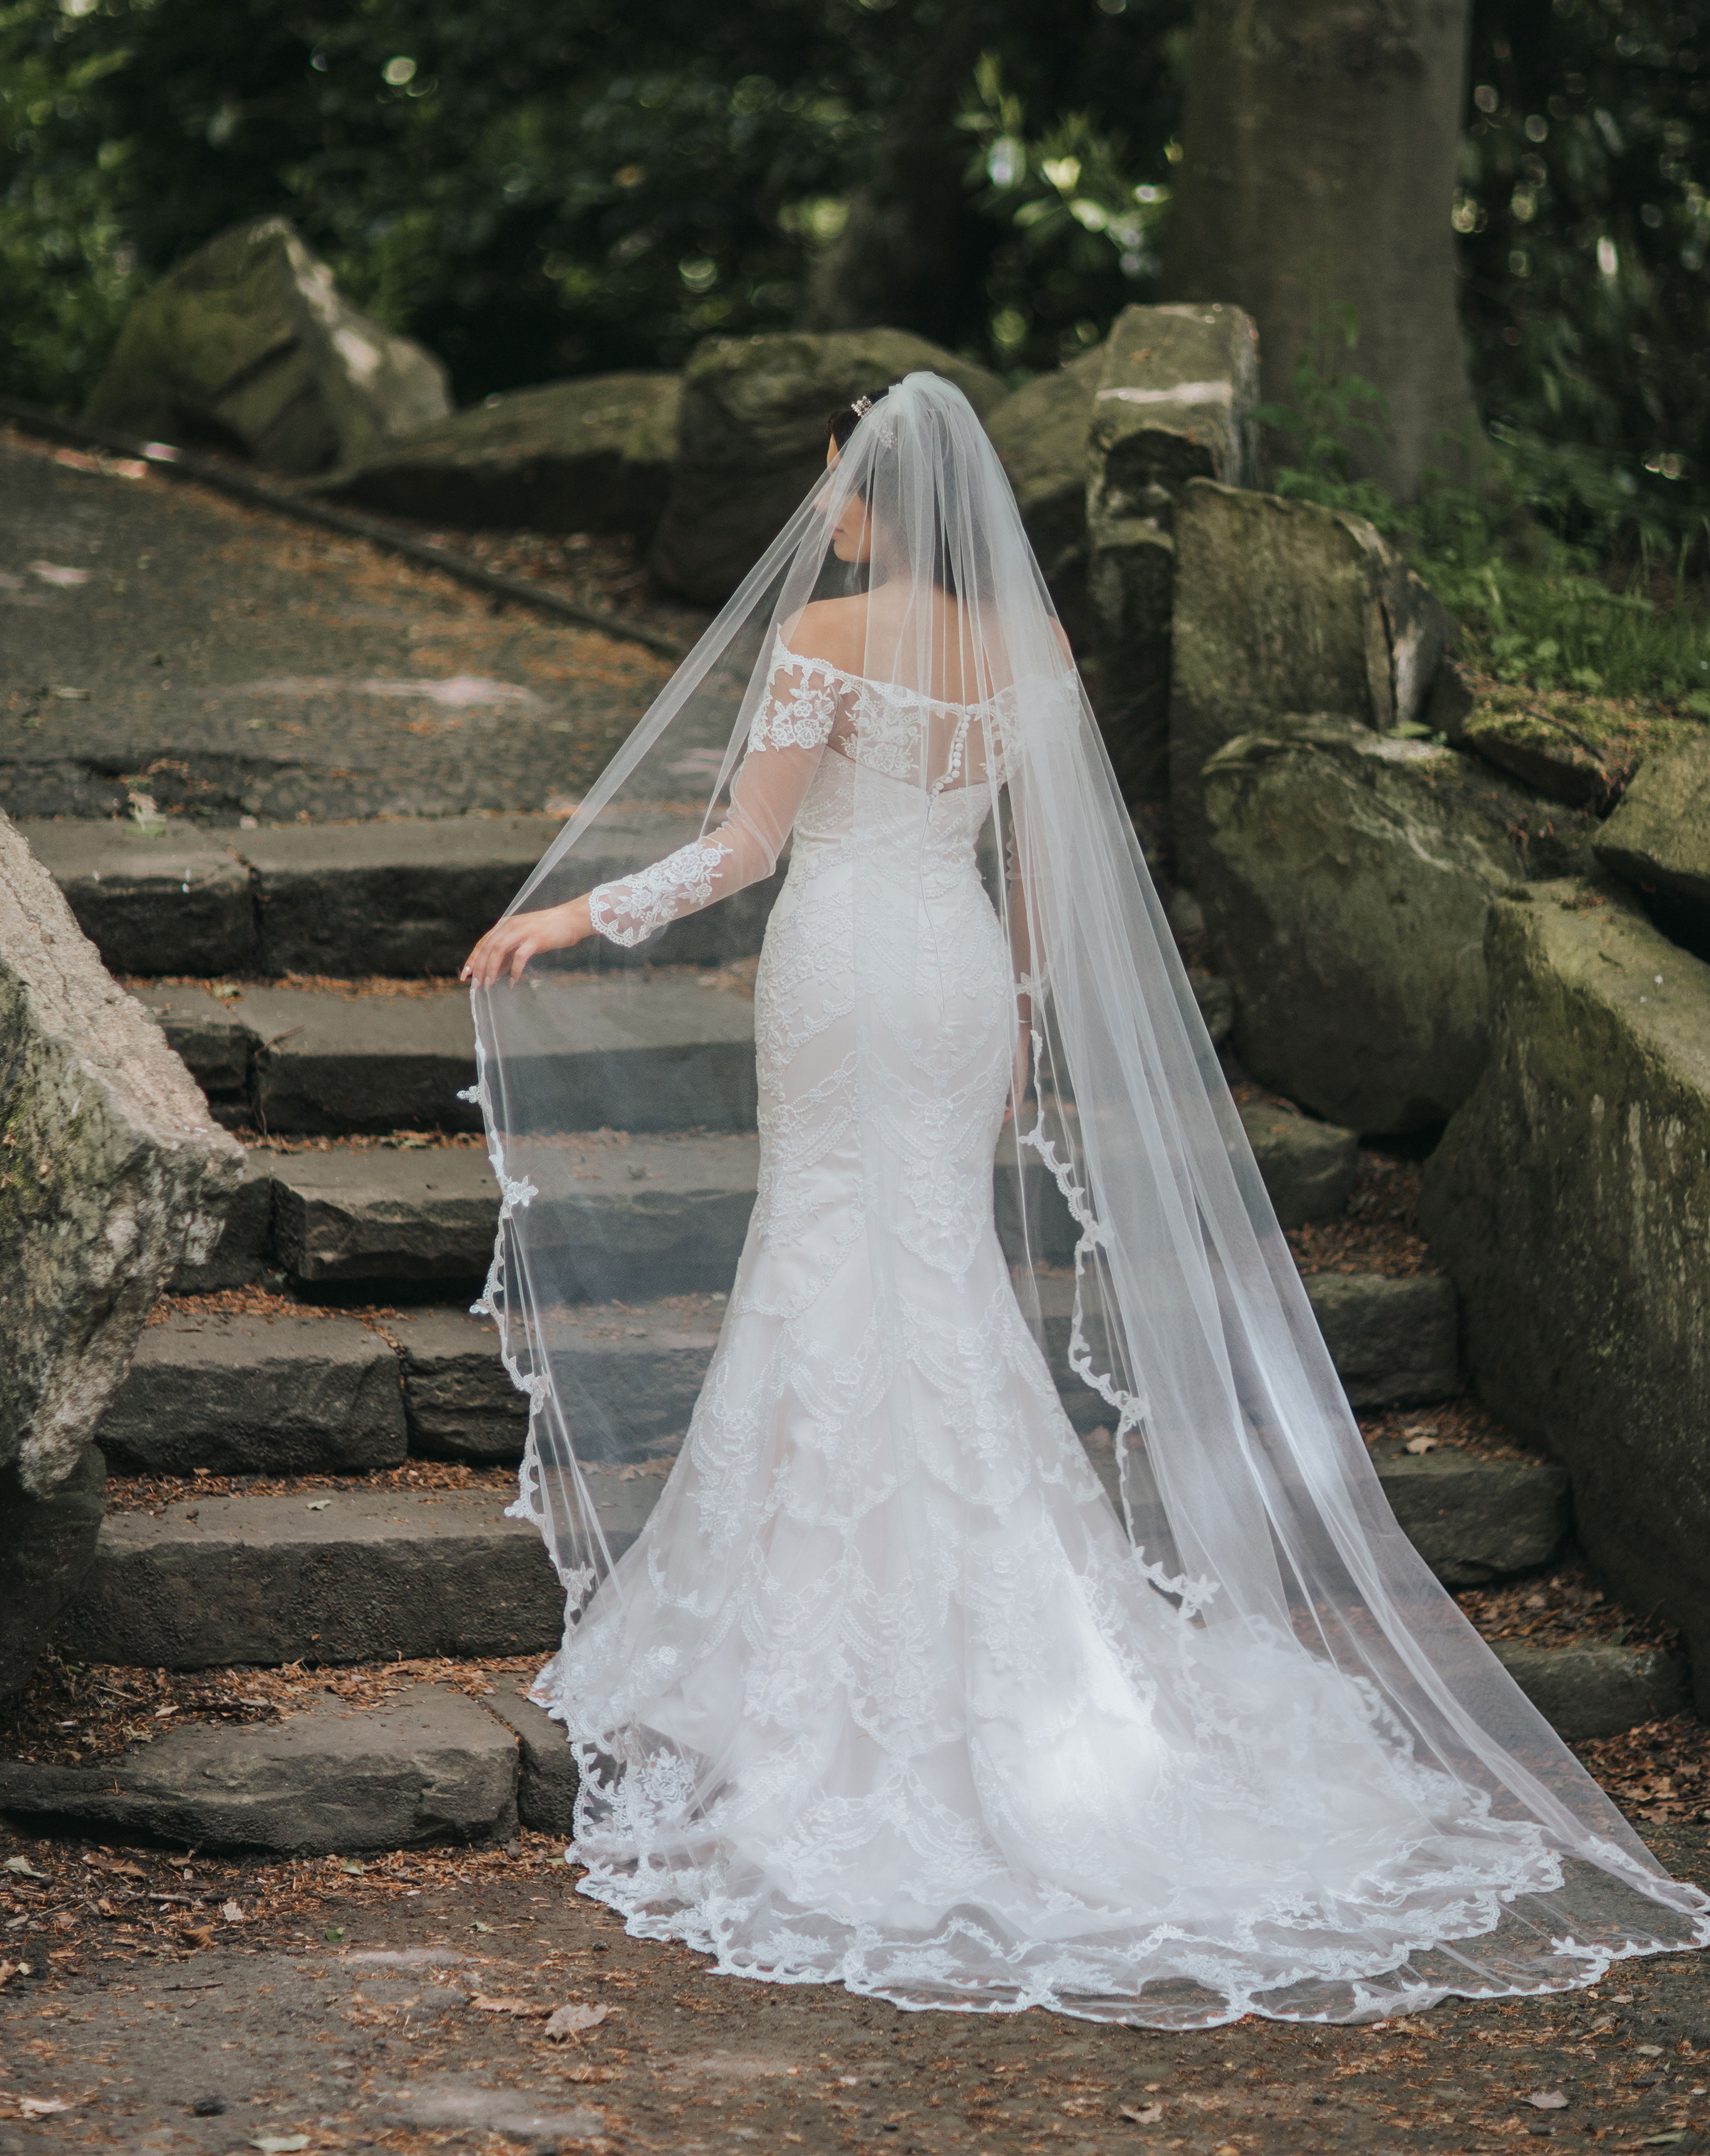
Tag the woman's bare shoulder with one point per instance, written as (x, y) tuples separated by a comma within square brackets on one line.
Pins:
[(834, 630)]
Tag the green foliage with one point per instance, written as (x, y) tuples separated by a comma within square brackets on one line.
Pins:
[(1585, 225), (1533, 605), (1077, 221)]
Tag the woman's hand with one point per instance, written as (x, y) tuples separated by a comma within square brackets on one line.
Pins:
[(509, 945)]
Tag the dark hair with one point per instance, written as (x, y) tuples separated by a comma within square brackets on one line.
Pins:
[(845, 418)]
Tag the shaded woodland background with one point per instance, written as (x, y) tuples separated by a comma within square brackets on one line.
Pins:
[(542, 191)]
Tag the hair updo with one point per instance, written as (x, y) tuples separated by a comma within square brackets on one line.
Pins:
[(847, 418)]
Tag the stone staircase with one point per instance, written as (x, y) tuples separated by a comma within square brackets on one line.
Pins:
[(327, 1342)]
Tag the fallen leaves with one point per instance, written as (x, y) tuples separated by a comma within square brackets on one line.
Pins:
[(25, 1869), (1545, 2100), (1147, 2115), (573, 2020), (483, 2004), (41, 2107)]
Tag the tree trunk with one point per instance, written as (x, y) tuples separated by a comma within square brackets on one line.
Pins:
[(913, 253), (1321, 139)]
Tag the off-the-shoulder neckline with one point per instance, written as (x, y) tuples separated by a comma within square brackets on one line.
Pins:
[(887, 688)]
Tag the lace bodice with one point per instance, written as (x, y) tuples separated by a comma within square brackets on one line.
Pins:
[(953, 752)]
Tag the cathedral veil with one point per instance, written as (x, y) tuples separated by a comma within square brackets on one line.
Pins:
[(1381, 1817)]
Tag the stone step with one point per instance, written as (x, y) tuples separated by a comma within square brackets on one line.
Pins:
[(340, 1575), (1597, 1687), (660, 1051), (406, 896), (284, 1393), (430, 1766)]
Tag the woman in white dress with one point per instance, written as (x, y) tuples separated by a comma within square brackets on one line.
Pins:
[(888, 1692)]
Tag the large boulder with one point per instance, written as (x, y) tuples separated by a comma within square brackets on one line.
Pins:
[(1175, 401), (1282, 606), (1570, 1200), (112, 1173), (750, 435), (248, 343), (1040, 433), (592, 455), (1576, 748), (1659, 839), (1348, 875)]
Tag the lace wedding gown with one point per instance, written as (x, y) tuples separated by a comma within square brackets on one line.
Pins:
[(882, 1695)]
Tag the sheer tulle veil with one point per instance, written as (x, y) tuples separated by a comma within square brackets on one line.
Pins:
[(1290, 1626)]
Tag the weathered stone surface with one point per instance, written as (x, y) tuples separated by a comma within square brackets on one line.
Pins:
[(752, 436), (245, 1244), (1216, 1001), (1347, 879), (1472, 1520), (458, 1395), (1570, 1201), (651, 1216), (1280, 606), (430, 1766), (370, 1213), (412, 896), (349, 1575), (1174, 402), (468, 2108), (589, 455), (1597, 1689), (1040, 433), (112, 1174), (1659, 837), (546, 1789), (177, 903), (280, 1394), (48, 1545), (248, 343), (650, 1051), (1582, 750), (215, 1046), (1309, 1167), (1395, 1343)]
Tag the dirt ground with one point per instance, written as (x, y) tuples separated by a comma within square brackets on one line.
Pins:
[(195, 2005)]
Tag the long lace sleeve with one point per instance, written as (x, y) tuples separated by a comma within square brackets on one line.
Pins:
[(785, 743)]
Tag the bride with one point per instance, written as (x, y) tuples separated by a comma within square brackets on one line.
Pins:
[(887, 1693)]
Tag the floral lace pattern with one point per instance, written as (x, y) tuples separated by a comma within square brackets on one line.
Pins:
[(630, 912), (882, 1695)]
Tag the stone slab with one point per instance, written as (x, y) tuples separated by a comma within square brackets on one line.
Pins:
[(216, 1046), (457, 1395), (374, 1212), (180, 903), (1597, 1689), (1570, 1201), (48, 1545), (413, 895), (1309, 1167), (429, 1766), (112, 1174), (1659, 836), (546, 1789), (1395, 1343), (629, 1374), (645, 1051), (278, 1393), (1475, 1521), (244, 1249), (368, 1575), (1039, 433)]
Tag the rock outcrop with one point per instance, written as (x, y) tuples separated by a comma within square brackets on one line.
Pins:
[(1570, 1201), (1280, 606), (751, 436), (248, 343), (1041, 433), (112, 1173), (590, 455), (1175, 399), (1347, 879), (1659, 839)]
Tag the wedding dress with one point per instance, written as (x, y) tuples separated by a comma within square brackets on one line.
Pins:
[(886, 1692)]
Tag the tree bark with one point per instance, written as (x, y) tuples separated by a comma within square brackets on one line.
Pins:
[(913, 253), (1320, 144)]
